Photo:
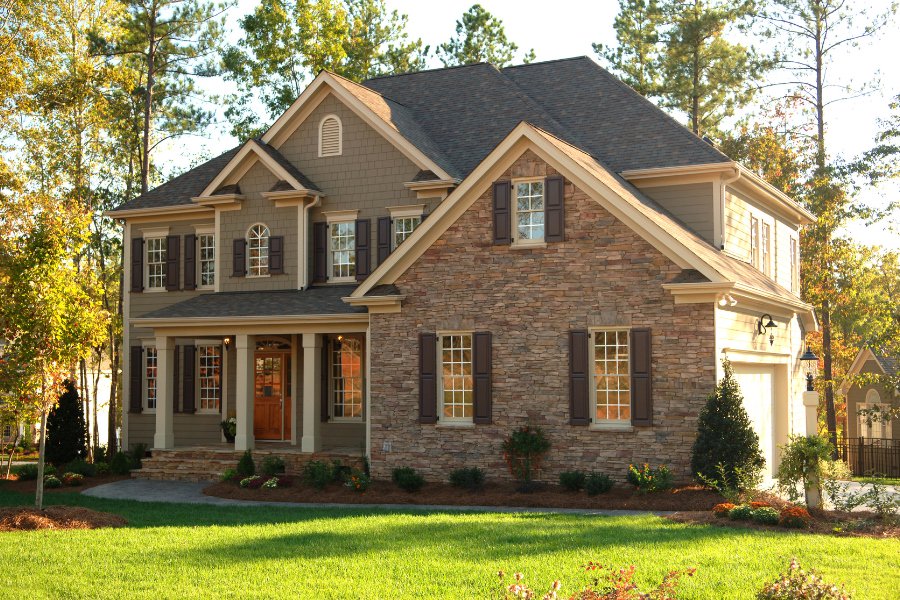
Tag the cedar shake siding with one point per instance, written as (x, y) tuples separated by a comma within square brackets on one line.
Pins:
[(529, 300)]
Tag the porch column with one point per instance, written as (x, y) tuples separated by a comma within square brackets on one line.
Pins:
[(312, 393), (164, 437), (245, 346), (296, 402)]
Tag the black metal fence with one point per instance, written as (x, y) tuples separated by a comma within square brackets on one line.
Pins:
[(871, 456)]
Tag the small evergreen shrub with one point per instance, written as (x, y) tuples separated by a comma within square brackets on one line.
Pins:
[(120, 464), (102, 468), (339, 471), (272, 465), (797, 584), (138, 451), (794, 517), (318, 474), (82, 468), (523, 451), (28, 472), (597, 483), (407, 479), (765, 515), (52, 481), (229, 475), (471, 478), (358, 481), (742, 512), (65, 428), (725, 436), (722, 510), (246, 466), (572, 480), (73, 479), (647, 479)]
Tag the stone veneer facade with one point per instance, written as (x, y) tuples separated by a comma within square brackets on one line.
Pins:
[(602, 274)]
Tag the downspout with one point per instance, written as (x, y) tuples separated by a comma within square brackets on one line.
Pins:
[(725, 182), (304, 254)]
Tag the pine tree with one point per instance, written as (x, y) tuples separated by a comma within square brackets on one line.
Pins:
[(65, 428), (725, 435), (480, 37), (635, 58)]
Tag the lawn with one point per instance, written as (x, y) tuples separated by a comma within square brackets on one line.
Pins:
[(882, 480), (179, 551)]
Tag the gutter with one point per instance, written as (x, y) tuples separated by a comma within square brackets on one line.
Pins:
[(304, 247)]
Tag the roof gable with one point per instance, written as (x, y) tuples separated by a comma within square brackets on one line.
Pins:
[(250, 153)]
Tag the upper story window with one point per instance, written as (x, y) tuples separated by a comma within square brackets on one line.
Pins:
[(156, 263), (795, 266), (346, 377), (330, 136), (754, 242), (207, 255), (150, 366), (766, 249), (342, 250), (456, 394), (403, 228), (258, 251), (612, 376), (210, 371), (529, 211)]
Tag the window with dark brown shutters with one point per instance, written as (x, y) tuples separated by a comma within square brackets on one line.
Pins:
[(173, 257), (239, 258), (188, 393), (320, 252), (363, 248), (276, 255), (384, 238), (137, 264), (427, 378), (136, 380), (554, 209), (579, 396), (502, 192), (482, 359), (641, 375), (190, 262)]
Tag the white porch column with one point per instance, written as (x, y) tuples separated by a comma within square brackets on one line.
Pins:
[(296, 402), (811, 404), (312, 392), (245, 347), (164, 437)]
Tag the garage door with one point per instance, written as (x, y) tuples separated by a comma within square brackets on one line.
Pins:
[(758, 387)]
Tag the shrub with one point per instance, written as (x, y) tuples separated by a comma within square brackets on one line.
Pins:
[(723, 510), (246, 466), (270, 484), (339, 471), (725, 436), (572, 480), (28, 472), (82, 468), (609, 584), (735, 486), (52, 481), (597, 483), (272, 465), (797, 584), (759, 505), (318, 474), (742, 512), (407, 479), (65, 428), (229, 475), (471, 478), (647, 479), (138, 451), (73, 479), (523, 452), (254, 482), (285, 481), (766, 515), (802, 460), (795, 517), (120, 464), (102, 468), (358, 481)]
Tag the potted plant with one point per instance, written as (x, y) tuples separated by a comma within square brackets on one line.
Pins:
[(229, 428)]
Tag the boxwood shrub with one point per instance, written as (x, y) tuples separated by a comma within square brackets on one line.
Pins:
[(471, 478), (408, 479), (597, 483), (572, 480)]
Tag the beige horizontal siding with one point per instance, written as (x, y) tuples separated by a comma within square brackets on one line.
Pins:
[(691, 203)]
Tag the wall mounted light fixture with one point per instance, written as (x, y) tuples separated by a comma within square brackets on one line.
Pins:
[(764, 324)]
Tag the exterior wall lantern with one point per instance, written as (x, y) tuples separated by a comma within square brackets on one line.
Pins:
[(810, 365), (764, 324)]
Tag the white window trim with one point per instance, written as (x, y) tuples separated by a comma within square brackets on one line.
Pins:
[(145, 408), (409, 210), (886, 431), (441, 419), (607, 424), (513, 214), (362, 416), (794, 250), (206, 230), (249, 274), (765, 241), (146, 269), (333, 218), (198, 388), (394, 221), (340, 123), (340, 216)]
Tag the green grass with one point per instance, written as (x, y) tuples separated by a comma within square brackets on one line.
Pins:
[(881, 480), (180, 551)]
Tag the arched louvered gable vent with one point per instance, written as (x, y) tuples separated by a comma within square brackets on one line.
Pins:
[(330, 136)]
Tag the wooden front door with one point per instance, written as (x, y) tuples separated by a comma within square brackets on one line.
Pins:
[(272, 404)]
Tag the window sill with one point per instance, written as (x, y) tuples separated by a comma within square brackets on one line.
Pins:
[(617, 427), (148, 411), (359, 420), (455, 424), (158, 290), (342, 279), (204, 288), (527, 245), (207, 412), (257, 276)]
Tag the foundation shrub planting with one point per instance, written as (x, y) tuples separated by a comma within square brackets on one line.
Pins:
[(30, 472), (137, 454), (358, 481), (81, 467), (765, 515), (803, 465), (270, 484), (646, 479), (799, 584), (253, 482), (742, 512), (524, 451), (597, 483), (723, 510), (339, 471), (759, 504), (246, 466), (73, 479), (229, 475), (470, 478), (120, 464), (794, 517), (572, 480), (272, 465), (318, 474), (52, 481), (407, 479), (102, 468)]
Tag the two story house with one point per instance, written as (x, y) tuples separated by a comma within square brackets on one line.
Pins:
[(411, 267)]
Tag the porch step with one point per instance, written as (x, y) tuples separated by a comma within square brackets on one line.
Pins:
[(208, 464)]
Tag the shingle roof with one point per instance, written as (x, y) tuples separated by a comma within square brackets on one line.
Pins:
[(324, 300), (288, 166), (890, 364)]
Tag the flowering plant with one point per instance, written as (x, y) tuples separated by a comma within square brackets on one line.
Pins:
[(797, 583), (610, 584), (271, 484), (229, 428), (722, 510), (73, 479), (357, 481), (795, 517), (647, 479), (254, 482)]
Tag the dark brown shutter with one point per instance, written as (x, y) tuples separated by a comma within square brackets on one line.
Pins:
[(173, 257), (427, 378), (239, 258), (554, 209), (641, 366), (384, 238), (190, 262), (188, 393), (276, 255), (320, 252), (176, 377), (363, 248), (579, 398), (481, 362), (136, 373), (502, 213), (324, 404), (137, 264)]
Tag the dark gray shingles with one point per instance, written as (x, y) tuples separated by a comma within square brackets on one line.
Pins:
[(287, 165), (324, 300), (386, 289), (890, 364)]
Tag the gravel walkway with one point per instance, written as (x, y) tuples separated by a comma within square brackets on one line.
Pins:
[(183, 492)]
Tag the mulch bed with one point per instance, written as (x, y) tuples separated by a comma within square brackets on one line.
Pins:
[(28, 487), (56, 517), (692, 498)]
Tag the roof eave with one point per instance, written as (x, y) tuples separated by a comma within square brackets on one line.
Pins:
[(155, 210)]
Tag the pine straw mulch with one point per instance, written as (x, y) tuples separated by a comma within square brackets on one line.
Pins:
[(56, 517), (28, 487), (689, 498)]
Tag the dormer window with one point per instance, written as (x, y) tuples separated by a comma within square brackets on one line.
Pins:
[(330, 136), (258, 251)]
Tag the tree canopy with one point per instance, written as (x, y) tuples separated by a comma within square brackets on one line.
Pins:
[(480, 37)]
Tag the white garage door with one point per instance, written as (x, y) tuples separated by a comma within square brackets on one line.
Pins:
[(758, 387)]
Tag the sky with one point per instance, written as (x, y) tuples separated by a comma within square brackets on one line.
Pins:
[(568, 29)]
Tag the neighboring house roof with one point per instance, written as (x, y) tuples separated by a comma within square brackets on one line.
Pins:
[(889, 365), (324, 300)]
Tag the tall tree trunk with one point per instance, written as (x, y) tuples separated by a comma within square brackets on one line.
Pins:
[(86, 407), (39, 487), (12, 450), (148, 100), (94, 386)]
